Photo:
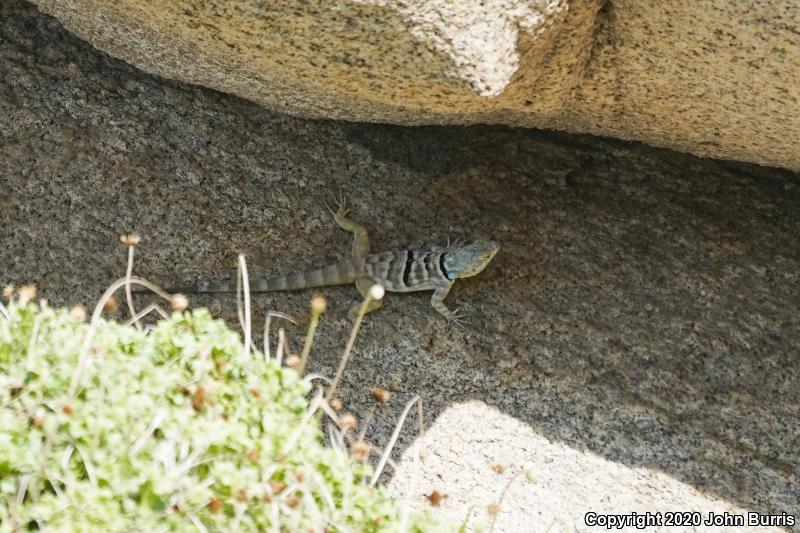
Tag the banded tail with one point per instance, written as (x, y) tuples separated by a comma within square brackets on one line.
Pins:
[(338, 274)]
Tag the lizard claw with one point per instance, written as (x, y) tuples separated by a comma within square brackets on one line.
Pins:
[(455, 243), (456, 317), (341, 205)]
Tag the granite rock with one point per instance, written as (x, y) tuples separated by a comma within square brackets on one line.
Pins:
[(714, 78), (644, 307)]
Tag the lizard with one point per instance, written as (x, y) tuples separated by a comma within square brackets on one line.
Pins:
[(429, 267)]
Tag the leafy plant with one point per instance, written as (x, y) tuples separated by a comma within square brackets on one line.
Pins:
[(110, 427)]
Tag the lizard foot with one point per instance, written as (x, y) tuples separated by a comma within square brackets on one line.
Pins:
[(456, 317), (340, 202), (455, 243)]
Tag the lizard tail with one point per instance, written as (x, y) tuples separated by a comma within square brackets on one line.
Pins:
[(340, 274)]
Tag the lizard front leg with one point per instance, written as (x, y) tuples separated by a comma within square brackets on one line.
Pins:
[(360, 249), (437, 301), (360, 237)]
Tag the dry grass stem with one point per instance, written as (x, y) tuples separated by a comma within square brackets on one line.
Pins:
[(87, 466), (367, 422), (281, 345), (128, 240), (375, 293), (466, 518), (393, 439), (316, 403), (243, 282), (326, 407), (141, 439), (32, 343), (197, 523), (318, 306), (98, 312), (146, 311), (312, 377), (267, 322), (499, 503)]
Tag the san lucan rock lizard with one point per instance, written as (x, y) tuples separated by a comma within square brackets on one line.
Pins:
[(408, 270)]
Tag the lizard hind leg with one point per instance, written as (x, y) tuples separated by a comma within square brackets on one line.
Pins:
[(360, 237), (363, 285)]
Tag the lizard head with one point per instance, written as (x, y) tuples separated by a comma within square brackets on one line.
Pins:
[(470, 259)]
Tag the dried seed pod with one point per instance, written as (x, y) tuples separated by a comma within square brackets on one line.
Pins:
[(178, 302), (276, 486), (8, 292), (26, 293), (78, 312), (129, 239), (497, 467), (111, 305), (348, 421), (360, 450), (199, 399), (382, 395), (215, 505), (436, 498), (292, 501), (318, 304)]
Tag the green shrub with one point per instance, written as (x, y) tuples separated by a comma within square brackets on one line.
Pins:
[(168, 430)]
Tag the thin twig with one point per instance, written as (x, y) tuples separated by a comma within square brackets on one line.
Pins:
[(366, 423), (98, 312), (312, 377), (128, 292), (267, 322), (141, 439), (417, 472), (466, 518), (24, 481), (396, 433), (239, 312), (197, 523), (281, 346), (375, 293), (248, 332), (88, 466), (34, 337), (500, 501), (146, 311), (318, 305), (421, 436), (326, 407), (316, 403)]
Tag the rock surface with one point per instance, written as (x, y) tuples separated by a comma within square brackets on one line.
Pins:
[(715, 78), (536, 484), (645, 305)]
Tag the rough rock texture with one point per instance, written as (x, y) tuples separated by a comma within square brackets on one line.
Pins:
[(535, 483), (715, 78), (645, 306)]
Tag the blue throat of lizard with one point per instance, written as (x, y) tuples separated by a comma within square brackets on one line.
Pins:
[(447, 263)]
